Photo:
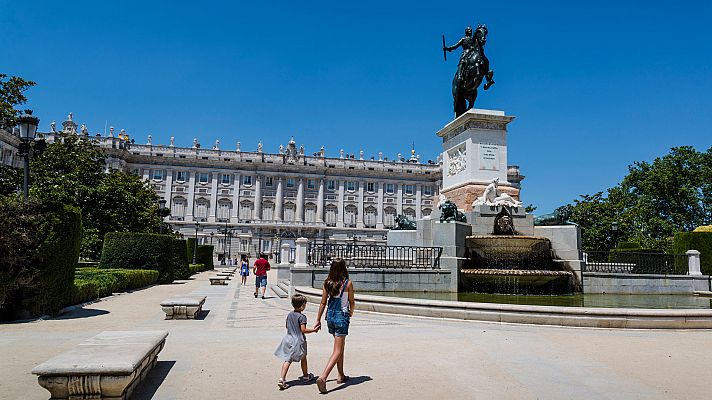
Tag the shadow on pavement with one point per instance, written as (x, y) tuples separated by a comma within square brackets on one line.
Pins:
[(148, 387), (82, 313), (353, 380), (202, 314)]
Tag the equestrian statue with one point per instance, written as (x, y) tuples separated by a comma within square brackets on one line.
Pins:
[(471, 70)]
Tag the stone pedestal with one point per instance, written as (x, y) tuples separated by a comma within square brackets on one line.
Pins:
[(475, 152), (482, 219)]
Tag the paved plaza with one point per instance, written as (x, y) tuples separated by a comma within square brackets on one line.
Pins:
[(228, 353)]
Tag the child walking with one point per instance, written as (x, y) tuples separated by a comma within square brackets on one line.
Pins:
[(244, 268), (294, 344)]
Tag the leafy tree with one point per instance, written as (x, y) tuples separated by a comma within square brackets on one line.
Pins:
[(10, 180), (655, 200), (12, 95), (72, 171)]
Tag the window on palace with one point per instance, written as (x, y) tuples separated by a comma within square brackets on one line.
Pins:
[(370, 187), (290, 182), (224, 210), (246, 210), (369, 217), (157, 174), (178, 207), (408, 189), (331, 212), (428, 190), (266, 246), (310, 213), (225, 179), (390, 188), (268, 181), (331, 185), (410, 213), (426, 212), (203, 177), (244, 245), (289, 212), (220, 245), (268, 211), (351, 186), (181, 176), (350, 213), (247, 180), (311, 184), (201, 209), (389, 217)]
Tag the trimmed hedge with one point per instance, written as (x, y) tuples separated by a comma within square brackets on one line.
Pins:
[(133, 250), (39, 249), (92, 283), (195, 268), (204, 254), (180, 259), (700, 241)]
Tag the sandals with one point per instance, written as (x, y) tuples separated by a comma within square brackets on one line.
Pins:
[(307, 378), (346, 379), (282, 384), (321, 384)]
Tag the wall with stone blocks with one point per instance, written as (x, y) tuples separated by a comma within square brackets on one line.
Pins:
[(380, 280), (614, 283)]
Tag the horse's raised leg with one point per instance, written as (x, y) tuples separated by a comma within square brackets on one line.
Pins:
[(490, 81)]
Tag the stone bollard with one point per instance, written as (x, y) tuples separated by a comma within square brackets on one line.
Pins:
[(283, 267), (693, 262), (300, 256)]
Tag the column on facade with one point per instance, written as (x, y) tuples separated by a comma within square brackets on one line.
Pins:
[(279, 201), (212, 216), (168, 190), (320, 202), (399, 198), (258, 198), (235, 212), (340, 211), (379, 218), (418, 201), (191, 196), (300, 201), (359, 215)]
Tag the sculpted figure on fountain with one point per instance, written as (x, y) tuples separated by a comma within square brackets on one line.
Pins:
[(493, 197)]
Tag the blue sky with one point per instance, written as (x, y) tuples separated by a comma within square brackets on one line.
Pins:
[(594, 86)]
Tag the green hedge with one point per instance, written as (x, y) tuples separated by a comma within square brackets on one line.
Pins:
[(132, 250), (39, 249), (204, 254), (180, 259), (92, 283), (195, 268), (700, 241)]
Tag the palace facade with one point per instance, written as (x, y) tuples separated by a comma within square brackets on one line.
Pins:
[(252, 201)]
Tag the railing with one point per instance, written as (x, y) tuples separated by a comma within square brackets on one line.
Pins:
[(629, 262), (374, 256)]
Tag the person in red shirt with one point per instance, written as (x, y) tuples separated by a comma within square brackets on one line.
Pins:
[(260, 269)]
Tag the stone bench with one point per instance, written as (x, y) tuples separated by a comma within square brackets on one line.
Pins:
[(225, 274), (107, 366), (219, 280), (186, 307)]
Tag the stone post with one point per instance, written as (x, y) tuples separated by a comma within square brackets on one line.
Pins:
[(283, 267), (693, 262), (300, 258), (301, 273)]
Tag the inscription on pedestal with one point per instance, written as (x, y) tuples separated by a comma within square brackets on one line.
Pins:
[(489, 157)]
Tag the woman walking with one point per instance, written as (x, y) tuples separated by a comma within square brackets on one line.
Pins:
[(338, 298)]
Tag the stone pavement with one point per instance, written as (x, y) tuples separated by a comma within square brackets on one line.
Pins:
[(228, 353)]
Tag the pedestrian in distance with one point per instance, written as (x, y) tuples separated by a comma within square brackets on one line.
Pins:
[(260, 269), (293, 347), (337, 298), (244, 268)]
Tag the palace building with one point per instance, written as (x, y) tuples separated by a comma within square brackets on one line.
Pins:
[(251, 201)]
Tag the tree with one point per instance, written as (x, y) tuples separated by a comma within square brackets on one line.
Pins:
[(12, 95), (652, 202), (72, 171), (10, 179)]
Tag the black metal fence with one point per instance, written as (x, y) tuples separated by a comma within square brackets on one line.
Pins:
[(374, 255), (629, 262)]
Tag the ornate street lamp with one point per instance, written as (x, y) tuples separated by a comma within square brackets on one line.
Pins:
[(162, 212), (614, 228), (28, 129), (195, 248)]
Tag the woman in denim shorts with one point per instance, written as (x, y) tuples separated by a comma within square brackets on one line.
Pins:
[(338, 299)]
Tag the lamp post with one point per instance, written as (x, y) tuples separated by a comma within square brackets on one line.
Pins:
[(28, 129), (195, 248), (614, 228), (161, 212)]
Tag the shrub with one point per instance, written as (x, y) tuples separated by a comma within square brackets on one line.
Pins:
[(132, 250), (39, 249), (195, 268), (205, 256), (92, 283), (180, 259), (700, 241)]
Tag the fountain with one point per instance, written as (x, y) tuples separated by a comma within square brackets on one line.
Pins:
[(507, 263)]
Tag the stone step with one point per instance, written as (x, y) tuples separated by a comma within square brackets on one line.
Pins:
[(284, 285), (281, 293)]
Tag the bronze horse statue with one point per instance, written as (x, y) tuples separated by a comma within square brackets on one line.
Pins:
[(471, 70)]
